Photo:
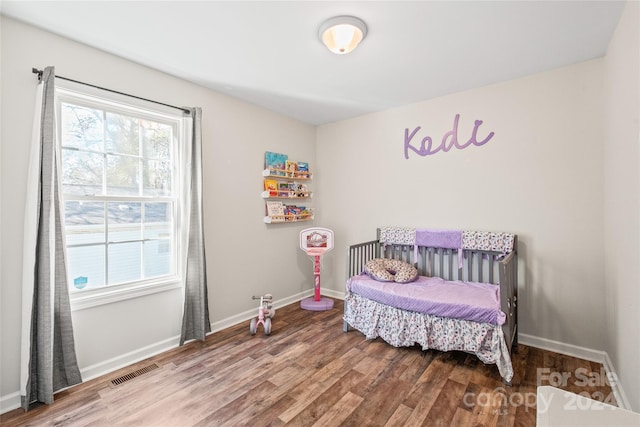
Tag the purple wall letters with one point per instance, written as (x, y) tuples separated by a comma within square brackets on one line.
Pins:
[(449, 140)]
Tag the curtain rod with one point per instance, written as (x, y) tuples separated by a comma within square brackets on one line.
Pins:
[(39, 73)]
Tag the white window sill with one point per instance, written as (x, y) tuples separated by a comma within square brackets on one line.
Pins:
[(109, 295)]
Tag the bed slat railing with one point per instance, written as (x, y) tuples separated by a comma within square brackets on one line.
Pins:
[(358, 255), (509, 296), (477, 266)]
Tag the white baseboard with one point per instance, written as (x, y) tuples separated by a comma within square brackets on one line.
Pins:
[(12, 401), (564, 348), (249, 314), (616, 387), (333, 294), (110, 365), (581, 353), (244, 316)]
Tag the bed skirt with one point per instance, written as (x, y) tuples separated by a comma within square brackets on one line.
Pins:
[(402, 328)]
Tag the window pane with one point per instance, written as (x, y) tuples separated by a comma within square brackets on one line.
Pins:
[(124, 262), (157, 178), (82, 172), (111, 157), (158, 220), (124, 221), (156, 139), (122, 175), (157, 258), (82, 127), (84, 222), (86, 266), (122, 134)]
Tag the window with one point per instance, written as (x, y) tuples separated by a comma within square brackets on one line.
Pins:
[(120, 183)]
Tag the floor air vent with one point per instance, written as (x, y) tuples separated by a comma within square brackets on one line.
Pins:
[(131, 375)]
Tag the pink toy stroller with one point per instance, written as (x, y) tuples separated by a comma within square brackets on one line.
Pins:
[(265, 314)]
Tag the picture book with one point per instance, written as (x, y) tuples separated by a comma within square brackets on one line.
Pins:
[(303, 169), (275, 162), (292, 168), (275, 209), (283, 189), (293, 212), (271, 185)]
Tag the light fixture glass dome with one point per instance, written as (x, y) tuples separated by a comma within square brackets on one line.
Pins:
[(342, 34)]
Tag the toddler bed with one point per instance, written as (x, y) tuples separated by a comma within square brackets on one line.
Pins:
[(464, 298)]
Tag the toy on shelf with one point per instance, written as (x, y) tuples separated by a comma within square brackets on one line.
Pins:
[(265, 314), (316, 241)]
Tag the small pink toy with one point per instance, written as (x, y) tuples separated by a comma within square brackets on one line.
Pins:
[(265, 314)]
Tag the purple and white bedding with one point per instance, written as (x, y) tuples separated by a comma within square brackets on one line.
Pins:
[(404, 328), (477, 302), (474, 240)]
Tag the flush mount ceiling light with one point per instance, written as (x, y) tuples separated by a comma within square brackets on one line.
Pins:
[(342, 34)]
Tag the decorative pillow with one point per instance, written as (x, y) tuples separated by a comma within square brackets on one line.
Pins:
[(390, 270)]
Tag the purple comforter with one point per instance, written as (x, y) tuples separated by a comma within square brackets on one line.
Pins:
[(478, 302)]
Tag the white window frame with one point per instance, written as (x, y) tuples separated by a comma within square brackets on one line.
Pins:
[(86, 95)]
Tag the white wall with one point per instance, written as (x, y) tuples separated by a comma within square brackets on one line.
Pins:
[(240, 247), (540, 176), (622, 200)]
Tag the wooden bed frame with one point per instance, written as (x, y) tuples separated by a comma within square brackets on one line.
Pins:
[(477, 266)]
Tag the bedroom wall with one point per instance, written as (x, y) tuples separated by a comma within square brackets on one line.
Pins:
[(539, 176), (622, 200), (240, 247)]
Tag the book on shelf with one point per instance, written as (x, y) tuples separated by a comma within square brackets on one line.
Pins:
[(271, 185), (303, 170), (283, 189), (275, 209), (275, 162), (291, 167), (293, 212)]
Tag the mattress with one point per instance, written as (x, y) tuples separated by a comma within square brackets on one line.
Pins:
[(478, 302)]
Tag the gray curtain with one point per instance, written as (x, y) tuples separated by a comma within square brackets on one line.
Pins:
[(48, 350), (195, 319)]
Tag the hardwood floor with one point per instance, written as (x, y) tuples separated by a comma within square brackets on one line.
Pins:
[(309, 372)]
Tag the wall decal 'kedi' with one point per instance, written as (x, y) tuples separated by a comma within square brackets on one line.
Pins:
[(427, 148)]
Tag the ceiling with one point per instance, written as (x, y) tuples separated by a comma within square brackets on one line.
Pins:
[(268, 52)]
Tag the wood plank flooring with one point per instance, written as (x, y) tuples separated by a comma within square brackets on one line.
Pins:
[(309, 372)]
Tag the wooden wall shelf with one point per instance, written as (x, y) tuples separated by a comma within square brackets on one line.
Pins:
[(285, 182)]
